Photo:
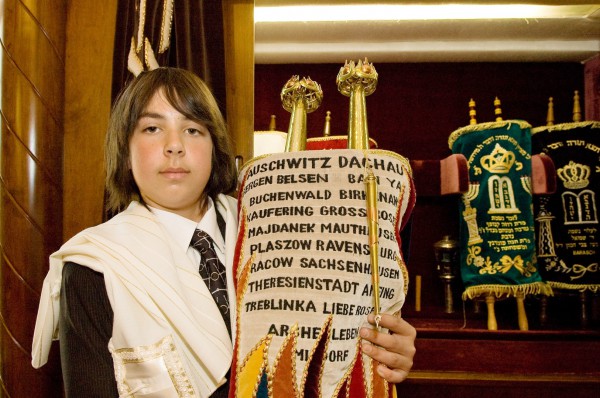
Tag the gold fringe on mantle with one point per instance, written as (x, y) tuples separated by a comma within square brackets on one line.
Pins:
[(484, 126), (507, 290), (579, 288), (566, 126)]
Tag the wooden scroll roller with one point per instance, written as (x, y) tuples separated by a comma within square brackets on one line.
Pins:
[(318, 251)]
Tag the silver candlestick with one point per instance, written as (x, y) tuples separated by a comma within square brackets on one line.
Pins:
[(446, 256)]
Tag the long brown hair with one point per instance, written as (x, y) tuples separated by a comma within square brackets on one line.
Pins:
[(187, 93)]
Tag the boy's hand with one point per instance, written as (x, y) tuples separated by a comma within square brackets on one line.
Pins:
[(393, 351)]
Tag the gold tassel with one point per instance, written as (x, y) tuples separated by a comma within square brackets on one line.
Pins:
[(499, 291), (580, 288)]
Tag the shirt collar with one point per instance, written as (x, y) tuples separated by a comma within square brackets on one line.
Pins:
[(182, 229)]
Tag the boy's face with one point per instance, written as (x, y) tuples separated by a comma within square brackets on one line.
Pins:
[(170, 157)]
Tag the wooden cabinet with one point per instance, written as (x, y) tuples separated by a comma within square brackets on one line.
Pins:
[(454, 362), (458, 357)]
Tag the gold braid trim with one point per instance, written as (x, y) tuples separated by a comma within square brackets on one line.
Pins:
[(165, 27), (134, 64), (141, 25), (484, 126), (507, 290), (405, 162), (580, 288), (566, 126)]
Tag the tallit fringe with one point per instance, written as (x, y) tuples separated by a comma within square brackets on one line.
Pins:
[(507, 290)]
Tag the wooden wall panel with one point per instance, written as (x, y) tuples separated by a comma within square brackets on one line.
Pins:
[(88, 78), (30, 183), (238, 27)]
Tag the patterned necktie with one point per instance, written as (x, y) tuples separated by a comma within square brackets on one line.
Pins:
[(213, 273)]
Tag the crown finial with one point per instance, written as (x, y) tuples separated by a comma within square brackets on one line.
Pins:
[(357, 81), (472, 112), (550, 115), (299, 97), (497, 109), (576, 107)]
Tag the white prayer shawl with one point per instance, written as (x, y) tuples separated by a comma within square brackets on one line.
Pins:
[(169, 338)]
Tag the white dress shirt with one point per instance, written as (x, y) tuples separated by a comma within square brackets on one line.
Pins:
[(182, 229)]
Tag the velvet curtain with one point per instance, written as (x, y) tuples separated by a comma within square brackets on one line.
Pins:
[(196, 40)]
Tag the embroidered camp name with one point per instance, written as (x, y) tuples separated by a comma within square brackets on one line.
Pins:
[(322, 163), (290, 196), (310, 282), (307, 306), (335, 228)]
